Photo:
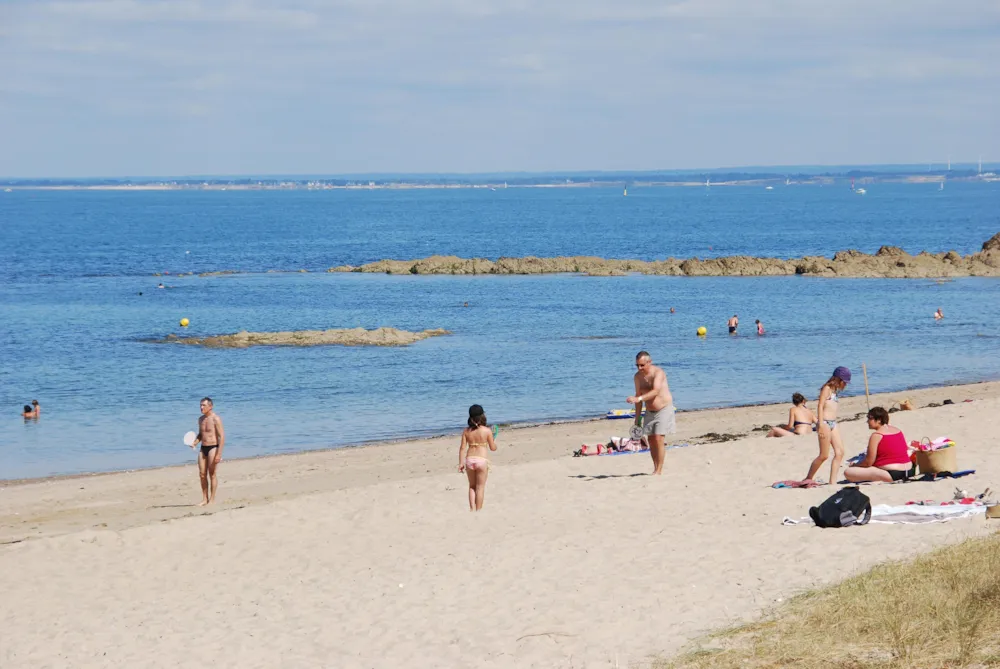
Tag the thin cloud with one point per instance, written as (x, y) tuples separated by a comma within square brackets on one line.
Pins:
[(452, 85)]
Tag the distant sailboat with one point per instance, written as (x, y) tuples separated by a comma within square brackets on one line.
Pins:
[(788, 181), (768, 187), (708, 182), (941, 186), (625, 192)]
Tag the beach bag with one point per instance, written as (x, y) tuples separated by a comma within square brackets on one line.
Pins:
[(933, 457), (848, 507)]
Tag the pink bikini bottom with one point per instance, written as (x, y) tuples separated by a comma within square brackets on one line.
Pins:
[(473, 463)]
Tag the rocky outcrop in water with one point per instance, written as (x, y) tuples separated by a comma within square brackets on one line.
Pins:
[(344, 337), (888, 262)]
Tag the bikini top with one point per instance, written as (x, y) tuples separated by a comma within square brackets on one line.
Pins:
[(483, 444)]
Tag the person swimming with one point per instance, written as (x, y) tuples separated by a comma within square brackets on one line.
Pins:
[(760, 327), (472, 452), (800, 419), (827, 432)]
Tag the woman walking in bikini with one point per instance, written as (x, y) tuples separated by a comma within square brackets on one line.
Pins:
[(826, 424), (472, 452)]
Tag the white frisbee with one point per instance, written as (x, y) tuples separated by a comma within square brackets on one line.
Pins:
[(189, 438)]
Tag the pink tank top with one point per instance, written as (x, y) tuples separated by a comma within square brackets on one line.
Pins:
[(892, 450)]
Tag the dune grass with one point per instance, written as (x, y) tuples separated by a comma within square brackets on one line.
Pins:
[(938, 610)]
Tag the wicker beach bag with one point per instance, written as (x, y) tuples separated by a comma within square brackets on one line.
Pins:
[(942, 460)]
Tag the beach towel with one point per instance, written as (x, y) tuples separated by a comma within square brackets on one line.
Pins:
[(926, 478), (807, 483), (910, 514), (937, 476), (918, 515)]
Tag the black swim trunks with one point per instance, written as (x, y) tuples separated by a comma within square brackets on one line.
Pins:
[(732, 330), (206, 450)]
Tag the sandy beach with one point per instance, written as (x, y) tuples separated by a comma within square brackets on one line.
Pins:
[(368, 557)]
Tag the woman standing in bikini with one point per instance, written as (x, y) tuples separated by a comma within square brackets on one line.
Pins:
[(472, 452), (826, 425)]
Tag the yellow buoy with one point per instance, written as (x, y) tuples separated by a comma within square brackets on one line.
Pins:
[(184, 322), (702, 331)]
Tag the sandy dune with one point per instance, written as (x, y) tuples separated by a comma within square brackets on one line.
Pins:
[(369, 558)]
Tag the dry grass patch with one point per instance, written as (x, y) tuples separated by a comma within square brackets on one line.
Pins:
[(938, 610)]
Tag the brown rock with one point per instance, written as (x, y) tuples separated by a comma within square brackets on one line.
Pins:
[(342, 337), (890, 251)]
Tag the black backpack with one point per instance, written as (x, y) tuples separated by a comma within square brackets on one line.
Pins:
[(848, 507)]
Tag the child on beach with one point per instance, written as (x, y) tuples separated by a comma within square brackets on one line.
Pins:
[(826, 424), (800, 419), (472, 460)]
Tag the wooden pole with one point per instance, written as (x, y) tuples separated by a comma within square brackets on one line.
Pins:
[(864, 370)]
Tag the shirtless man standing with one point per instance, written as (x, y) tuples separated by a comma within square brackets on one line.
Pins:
[(212, 438), (651, 387), (733, 323)]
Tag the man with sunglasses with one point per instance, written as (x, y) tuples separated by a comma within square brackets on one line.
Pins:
[(651, 388)]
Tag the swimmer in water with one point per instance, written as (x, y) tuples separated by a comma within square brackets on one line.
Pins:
[(28, 412), (733, 323), (161, 286), (938, 315), (760, 327)]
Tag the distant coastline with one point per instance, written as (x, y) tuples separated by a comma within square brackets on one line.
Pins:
[(763, 177)]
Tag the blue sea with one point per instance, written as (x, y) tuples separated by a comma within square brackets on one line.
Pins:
[(78, 295)]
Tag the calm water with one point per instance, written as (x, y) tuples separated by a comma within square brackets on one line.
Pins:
[(527, 348)]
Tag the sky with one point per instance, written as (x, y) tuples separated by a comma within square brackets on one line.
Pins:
[(199, 87)]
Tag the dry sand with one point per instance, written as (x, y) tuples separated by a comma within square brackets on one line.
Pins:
[(368, 557)]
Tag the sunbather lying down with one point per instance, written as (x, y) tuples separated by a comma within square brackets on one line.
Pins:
[(888, 457), (800, 419)]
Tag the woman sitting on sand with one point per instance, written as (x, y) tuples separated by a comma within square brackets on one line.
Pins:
[(826, 423), (888, 457), (800, 419), (472, 455)]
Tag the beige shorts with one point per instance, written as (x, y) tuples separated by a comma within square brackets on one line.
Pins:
[(660, 422)]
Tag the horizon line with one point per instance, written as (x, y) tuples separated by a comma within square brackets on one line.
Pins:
[(818, 168)]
